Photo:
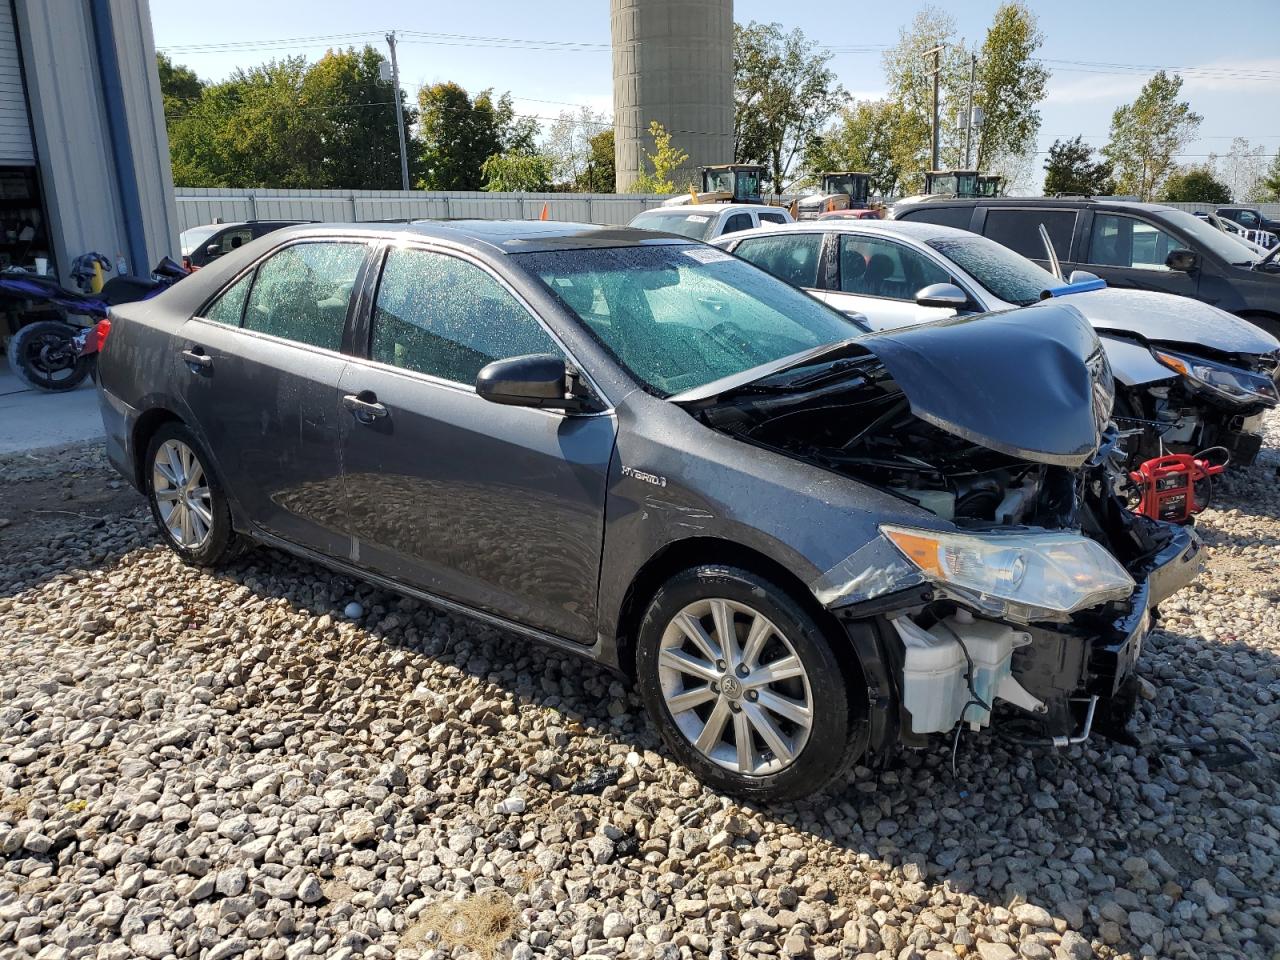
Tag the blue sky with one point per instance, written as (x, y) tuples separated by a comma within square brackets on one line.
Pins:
[(1093, 47)]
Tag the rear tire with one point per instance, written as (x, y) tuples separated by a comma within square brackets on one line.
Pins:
[(187, 501), (765, 716), (42, 355)]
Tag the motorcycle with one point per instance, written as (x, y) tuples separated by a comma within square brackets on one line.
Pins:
[(57, 355)]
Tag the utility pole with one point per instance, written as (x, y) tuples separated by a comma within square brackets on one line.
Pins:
[(395, 90), (936, 53), (968, 117)]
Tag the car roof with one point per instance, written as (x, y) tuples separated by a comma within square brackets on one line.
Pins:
[(710, 208), (242, 223), (1034, 201), (913, 229), (502, 236)]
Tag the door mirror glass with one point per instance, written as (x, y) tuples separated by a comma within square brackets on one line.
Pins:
[(942, 295), (1081, 276), (213, 250), (1182, 260), (537, 380)]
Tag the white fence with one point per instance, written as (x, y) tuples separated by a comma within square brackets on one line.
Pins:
[(197, 205)]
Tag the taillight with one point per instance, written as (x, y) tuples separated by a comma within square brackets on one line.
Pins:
[(100, 331)]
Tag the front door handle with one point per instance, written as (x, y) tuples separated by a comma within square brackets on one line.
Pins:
[(364, 406), (197, 359)]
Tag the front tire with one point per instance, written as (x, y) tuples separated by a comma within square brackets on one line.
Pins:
[(187, 501), (744, 686)]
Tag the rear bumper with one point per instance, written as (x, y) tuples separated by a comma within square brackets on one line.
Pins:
[(118, 422)]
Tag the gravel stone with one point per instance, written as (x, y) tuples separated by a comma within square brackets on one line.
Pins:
[(211, 765)]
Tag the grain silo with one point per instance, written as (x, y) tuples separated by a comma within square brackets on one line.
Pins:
[(672, 62)]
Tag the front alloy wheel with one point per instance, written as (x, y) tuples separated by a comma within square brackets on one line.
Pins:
[(744, 684), (735, 687)]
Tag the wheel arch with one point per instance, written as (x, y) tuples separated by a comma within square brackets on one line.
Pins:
[(149, 421), (692, 552), (1266, 319)]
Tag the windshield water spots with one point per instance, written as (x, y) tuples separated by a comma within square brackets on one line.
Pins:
[(680, 316)]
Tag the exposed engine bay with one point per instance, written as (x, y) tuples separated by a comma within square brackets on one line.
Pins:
[(950, 658)]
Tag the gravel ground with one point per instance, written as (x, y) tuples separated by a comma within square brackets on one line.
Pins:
[(217, 765)]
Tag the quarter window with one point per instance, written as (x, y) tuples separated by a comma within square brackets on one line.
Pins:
[(772, 218), (791, 257), (229, 307), (879, 268), (1129, 242), (302, 292), (443, 316)]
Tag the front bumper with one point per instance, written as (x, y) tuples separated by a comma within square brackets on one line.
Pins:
[(1064, 666)]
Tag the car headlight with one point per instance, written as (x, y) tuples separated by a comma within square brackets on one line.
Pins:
[(1235, 384), (1016, 576)]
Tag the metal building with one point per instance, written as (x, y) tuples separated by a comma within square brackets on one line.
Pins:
[(84, 157), (672, 62)]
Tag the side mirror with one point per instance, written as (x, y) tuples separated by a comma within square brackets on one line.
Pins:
[(942, 295), (1082, 276), (536, 380), (213, 250), (1180, 260)]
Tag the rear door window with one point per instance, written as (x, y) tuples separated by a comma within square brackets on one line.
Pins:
[(792, 257), (773, 218), (1118, 241), (880, 268), (1019, 230), (446, 317), (302, 293), (738, 221), (958, 217)]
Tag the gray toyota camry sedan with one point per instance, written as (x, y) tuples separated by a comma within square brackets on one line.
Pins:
[(805, 543)]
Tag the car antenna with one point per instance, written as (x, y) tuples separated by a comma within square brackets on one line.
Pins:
[(1053, 255)]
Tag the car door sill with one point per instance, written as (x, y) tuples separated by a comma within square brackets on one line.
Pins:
[(592, 651)]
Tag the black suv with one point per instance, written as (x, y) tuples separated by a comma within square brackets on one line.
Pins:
[(203, 244), (1140, 245)]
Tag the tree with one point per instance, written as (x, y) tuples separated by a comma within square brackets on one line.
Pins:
[(285, 124), (458, 133), (1196, 185), (666, 159), (1243, 170), (1010, 82), (784, 93), (599, 176), (907, 70), (1071, 169), (571, 143), (517, 172), (180, 88), (1270, 186), (1147, 135), (864, 137)]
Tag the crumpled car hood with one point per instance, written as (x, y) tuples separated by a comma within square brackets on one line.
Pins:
[(1163, 317), (1032, 383)]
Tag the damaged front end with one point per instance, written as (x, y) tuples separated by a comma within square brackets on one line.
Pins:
[(1031, 584)]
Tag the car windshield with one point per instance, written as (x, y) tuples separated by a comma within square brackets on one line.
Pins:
[(1010, 276), (687, 223), (195, 236), (680, 316), (1209, 237)]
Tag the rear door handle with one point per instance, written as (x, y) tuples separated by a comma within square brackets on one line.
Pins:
[(197, 359), (364, 405)]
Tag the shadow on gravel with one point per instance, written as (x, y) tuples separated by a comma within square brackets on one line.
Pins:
[(1080, 832), (1085, 832)]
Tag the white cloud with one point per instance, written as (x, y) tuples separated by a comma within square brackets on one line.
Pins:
[(1219, 76)]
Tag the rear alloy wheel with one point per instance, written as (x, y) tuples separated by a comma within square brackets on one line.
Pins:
[(743, 685), (187, 502)]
